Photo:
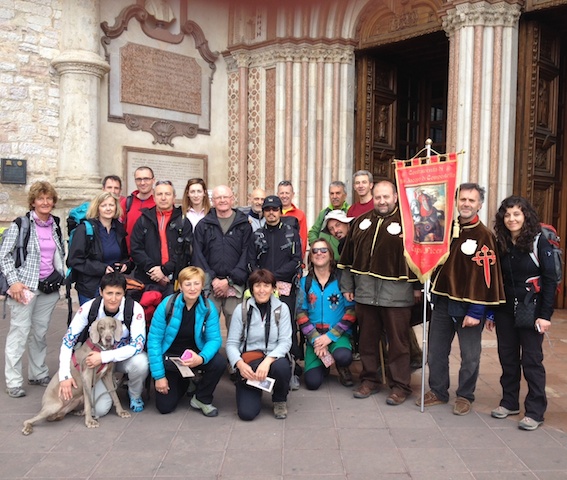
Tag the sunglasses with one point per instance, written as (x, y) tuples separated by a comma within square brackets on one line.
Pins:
[(271, 209), (320, 250)]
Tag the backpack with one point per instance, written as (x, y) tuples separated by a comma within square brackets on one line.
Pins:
[(20, 252), (550, 234), (71, 277), (93, 314)]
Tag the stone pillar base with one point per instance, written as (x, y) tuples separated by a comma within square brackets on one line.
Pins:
[(74, 191)]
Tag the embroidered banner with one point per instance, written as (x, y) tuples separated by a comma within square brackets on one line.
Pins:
[(426, 196)]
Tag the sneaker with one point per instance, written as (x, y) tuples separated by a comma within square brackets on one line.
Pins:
[(16, 392), (356, 357), (294, 382), (280, 410), (136, 404), (528, 423), (462, 406), (345, 377), (208, 409), (364, 391), (503, 412), (42, 382), (396, 399), (429, 400)]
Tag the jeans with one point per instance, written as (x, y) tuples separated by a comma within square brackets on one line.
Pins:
[(442, 330), (520, 349)]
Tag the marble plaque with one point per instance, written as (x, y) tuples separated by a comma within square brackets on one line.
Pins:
[(157, 78), (176, 167)]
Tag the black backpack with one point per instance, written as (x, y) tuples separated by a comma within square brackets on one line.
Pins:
[(93, 315)]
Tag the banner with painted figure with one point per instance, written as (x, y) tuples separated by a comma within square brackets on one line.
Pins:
[(426, 196)]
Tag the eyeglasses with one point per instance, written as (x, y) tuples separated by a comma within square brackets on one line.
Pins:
[(144, 179), (164, 182), (320, 250), (271, 209), (223, 197)]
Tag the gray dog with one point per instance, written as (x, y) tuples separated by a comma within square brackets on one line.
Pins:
[(102, 333)]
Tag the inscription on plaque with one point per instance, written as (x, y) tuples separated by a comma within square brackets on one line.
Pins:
[(161, 79), (14, 171)]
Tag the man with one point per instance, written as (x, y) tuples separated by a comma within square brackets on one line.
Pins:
[(286, 194), (363, 182), (220, 248), (141, 198), (337, 224), (254, 210), (277, 248), (112, 184), (337, 197), (377, 277), (128, 355), (161, 241), (461, 306)]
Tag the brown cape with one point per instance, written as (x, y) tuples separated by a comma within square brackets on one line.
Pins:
[(472, 270), (374, 246)]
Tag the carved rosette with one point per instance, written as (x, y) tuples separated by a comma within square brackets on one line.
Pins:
[(163, 131), (80, 62)]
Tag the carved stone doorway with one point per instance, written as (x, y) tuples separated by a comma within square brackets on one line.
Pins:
[(541, 142), (401, 101)]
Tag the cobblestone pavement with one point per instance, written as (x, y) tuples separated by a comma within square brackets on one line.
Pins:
[(328, 434)]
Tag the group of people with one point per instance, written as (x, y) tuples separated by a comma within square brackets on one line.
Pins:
[(206, 257)]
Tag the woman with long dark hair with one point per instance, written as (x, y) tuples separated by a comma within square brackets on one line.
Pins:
[(522, 248), (196, 203)]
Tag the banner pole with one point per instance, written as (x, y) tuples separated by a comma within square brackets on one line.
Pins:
[(424, 343)]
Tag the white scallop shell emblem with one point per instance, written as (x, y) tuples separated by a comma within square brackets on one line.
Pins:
[(365, 224), (469, 247), (394, 228)]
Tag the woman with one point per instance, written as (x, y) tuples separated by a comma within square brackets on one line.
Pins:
[(192, 331), (325, 318), (196, 202), (100, 250), (257, 343), (520, 349), (33, 288)]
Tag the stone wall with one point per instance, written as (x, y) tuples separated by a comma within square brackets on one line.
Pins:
[(29, 94)]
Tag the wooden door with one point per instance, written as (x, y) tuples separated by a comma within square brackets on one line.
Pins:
[(539, 172)]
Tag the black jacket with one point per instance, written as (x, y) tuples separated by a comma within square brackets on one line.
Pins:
[(277, 249), (86, 257), (145, 244), (219, 255)]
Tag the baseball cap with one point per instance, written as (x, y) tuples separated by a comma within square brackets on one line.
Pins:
[(336, 215), (272, 201)]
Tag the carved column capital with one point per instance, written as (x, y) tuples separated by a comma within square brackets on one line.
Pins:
[(81, 62), (481, 13)]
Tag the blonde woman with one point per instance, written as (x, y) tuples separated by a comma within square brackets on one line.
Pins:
[(91, 255)]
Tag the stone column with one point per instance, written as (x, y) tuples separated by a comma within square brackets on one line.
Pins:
[(482, 106), (80, 68)]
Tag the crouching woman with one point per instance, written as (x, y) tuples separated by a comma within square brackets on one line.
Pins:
[(192, 324), (257, 343)]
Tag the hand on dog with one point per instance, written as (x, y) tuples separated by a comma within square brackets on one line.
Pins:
[(66, 389), (93, 360)]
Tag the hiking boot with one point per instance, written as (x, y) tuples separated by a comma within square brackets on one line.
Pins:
[(345, 377), (462, 406), (396, 399), (364, 391), (16, 392), (280, 410), (503, 412), (208, 409), (429, 400), (42, 382), (528, 423)]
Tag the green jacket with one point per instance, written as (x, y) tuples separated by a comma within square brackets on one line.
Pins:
[(315, 231)]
